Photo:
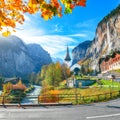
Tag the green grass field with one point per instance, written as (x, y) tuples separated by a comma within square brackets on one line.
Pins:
[(95, 93)]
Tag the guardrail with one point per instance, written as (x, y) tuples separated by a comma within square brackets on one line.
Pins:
[(60, 98)]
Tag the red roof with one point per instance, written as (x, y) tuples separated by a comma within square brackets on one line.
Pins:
[(18, 87)]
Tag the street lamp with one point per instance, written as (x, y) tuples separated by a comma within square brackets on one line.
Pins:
[(113, 77)]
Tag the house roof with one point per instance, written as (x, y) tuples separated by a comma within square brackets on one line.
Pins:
[(18, 87), (10, 79)]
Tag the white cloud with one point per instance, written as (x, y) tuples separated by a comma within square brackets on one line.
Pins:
[(58, 28), (78, 35), (54, 44)]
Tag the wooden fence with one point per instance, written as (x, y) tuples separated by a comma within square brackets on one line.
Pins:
[(77, 98), (61, 98)]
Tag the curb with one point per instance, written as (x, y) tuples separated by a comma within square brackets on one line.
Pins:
[(34, 105), (110, 106), (54, 104)]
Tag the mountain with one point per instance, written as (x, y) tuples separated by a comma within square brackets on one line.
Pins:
[(78, 53), (39, 56), (107, 39), (20, 59)]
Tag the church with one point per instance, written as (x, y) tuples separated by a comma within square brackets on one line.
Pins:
[(67, 58), (68, 61)]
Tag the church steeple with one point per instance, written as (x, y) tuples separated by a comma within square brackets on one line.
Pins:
[(67, 58)]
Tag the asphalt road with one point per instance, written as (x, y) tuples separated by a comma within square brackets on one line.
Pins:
[(98, 111)]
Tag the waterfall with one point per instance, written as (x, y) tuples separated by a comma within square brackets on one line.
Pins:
[(108, 38)]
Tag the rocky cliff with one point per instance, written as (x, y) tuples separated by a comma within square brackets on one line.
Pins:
[(39, 56), (78, 53), (19, 59), (107, 38)]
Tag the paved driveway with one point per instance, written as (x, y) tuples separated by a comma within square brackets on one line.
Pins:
[(97, 111)]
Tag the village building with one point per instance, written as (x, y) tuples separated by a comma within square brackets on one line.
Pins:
[(14, 83), (110, 63), (72, 68), (21, 87), (13, 80)]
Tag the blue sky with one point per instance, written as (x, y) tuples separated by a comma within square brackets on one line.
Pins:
[(53, 35)]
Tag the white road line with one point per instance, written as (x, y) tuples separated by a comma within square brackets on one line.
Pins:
[(2, 116), (103, 116)]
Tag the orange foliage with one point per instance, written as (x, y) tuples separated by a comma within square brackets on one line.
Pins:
[(54, 92), (82, 3), (63, 82), (50, 97), (11, 11)]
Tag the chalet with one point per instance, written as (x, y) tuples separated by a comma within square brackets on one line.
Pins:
[(110, 63)]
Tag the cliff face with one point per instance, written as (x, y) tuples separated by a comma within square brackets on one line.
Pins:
[(39, 56), (16, 59), (107, 38), (78, 53)]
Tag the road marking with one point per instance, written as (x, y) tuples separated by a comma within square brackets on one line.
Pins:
[(2, 116), (103, 116)]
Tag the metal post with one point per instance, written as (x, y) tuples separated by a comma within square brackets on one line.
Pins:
[(110, 89), (105, 96), (38, 99), (80, 97), (58, 98), (76, 96), (19, 101), (98, 97), (83, 98), (110, 95), (3, 101)]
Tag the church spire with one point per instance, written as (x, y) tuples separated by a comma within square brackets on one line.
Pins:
[(67, 58)]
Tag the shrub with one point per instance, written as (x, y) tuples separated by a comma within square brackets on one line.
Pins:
[(50, 97)]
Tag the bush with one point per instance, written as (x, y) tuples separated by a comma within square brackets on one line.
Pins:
[(50, 97)]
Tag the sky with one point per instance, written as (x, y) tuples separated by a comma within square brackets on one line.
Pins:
[(53, 35)]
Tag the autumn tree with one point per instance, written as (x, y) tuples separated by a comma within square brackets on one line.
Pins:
[(7, 87), (19, 82), (12, 11), (43, 72), (58, 72), (32, 77), (54, 73), (65, 71), (50, 77)]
